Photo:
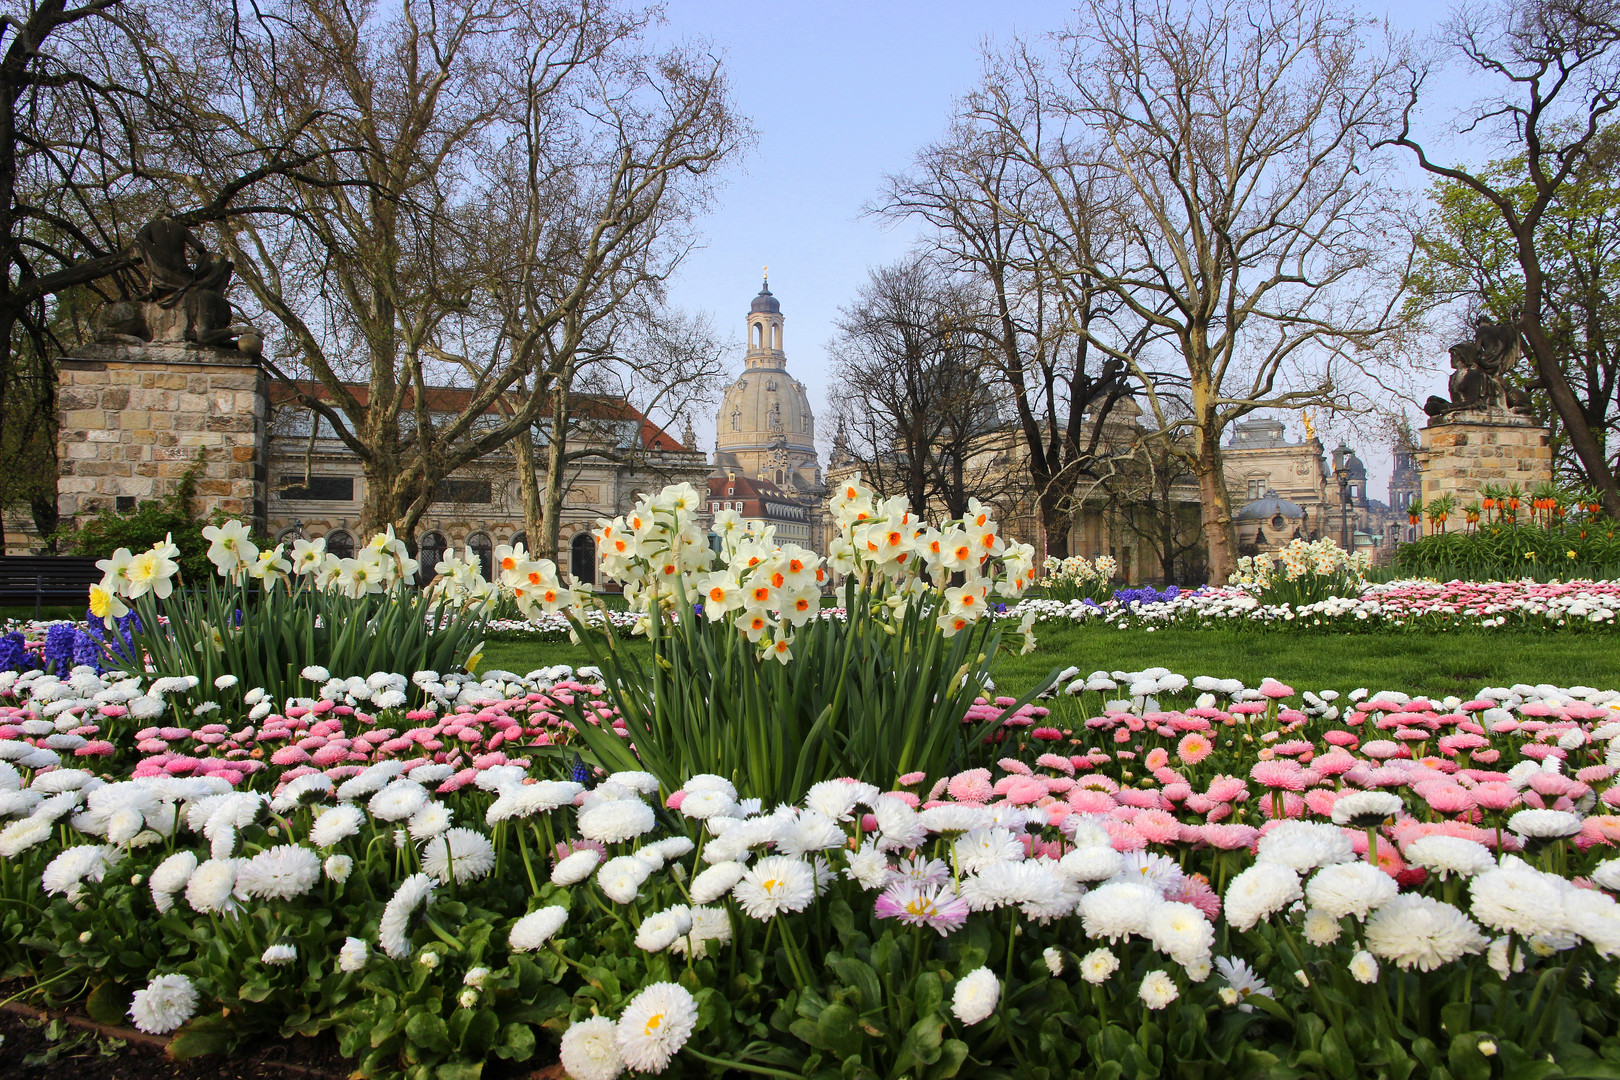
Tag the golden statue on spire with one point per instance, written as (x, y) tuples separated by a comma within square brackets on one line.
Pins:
[(765, 272), (1310, 428)]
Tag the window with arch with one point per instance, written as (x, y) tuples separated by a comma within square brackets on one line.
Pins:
[(582, 558), (430, 552), (485, 550), (736, 419), (287, 536), (776, 338), (340, 543), (520, 537)]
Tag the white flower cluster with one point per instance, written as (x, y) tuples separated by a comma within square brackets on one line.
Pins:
[(126, 576), (1075, 570), (1297, 559), (531, 582), (660, 552)]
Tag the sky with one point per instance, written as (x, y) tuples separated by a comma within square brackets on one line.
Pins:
[(842, 94)]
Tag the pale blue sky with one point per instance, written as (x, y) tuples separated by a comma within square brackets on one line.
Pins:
[(841, 94)]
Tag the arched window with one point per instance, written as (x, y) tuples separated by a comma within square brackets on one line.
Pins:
[(736, 419), (582, 558), (340, 543), (520, 537), (485, 550), (287, 536), (429, 552)]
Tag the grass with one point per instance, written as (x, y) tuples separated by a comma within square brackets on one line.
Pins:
[(25, 612), (1436, 664)]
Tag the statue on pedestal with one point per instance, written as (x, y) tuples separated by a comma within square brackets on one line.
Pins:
[(1478, 370), (185, 298)]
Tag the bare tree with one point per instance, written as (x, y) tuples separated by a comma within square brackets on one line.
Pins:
[(520, 165), (1152, 487), (907, 392), (1238, 145), (1557, 63), (102, 127), (1037, 335)]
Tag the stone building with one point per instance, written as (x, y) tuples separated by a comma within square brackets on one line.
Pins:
[(134, 419), (765, 437), (760, 501), (317, 484)]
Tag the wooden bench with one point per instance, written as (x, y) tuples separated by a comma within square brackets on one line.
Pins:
[(47, 579)]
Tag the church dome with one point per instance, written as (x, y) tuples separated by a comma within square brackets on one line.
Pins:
[(765, 423), (766, 302), (1270, 507), (763, 404)]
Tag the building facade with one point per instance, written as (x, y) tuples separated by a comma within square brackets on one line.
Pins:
[(317, 485), (765, 461)]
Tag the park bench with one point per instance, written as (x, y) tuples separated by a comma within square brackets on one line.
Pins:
[(46, 579)]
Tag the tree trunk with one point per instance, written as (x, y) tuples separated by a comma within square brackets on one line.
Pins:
[(1055, 524), (46, 519), (528, 481), (1216, 501), (378, 509), (556, 460), (1581, 440), (1167, 542)]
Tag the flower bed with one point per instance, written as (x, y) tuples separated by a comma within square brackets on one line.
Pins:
[(1392, 606), (1158, 868)]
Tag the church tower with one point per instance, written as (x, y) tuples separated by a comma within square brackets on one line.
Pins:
[(765, 429), (765, 331)]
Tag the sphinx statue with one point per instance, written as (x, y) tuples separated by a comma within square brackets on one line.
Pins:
[(1479, 369), (185, 297)]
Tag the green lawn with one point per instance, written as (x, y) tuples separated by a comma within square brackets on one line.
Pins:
[(1434, 664)]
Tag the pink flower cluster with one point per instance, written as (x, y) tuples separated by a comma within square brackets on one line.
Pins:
[(341, 740)]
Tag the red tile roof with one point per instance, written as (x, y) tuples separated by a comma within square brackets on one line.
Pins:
[(453, 399)]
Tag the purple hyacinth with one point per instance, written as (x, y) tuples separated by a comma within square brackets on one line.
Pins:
[(86, 650), (59, 648), (13, 653)]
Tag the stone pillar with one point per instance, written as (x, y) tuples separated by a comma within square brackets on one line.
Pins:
[(135, 418), (1460, 452)]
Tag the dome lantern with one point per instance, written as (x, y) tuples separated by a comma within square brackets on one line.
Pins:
[(765, 329)]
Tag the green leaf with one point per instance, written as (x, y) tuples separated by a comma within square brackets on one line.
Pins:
[(923, 1041), (517, 1042), (853, 973), (1336, 1055), (428, 1029), (951, 1055), (459, 1070), (928, 992), (108, 1004), (211, 1034)]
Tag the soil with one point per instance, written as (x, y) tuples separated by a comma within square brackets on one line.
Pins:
[(40, 1046)]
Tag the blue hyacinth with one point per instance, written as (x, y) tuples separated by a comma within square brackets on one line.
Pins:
[(580, 774), (59, 648), (87, 650), (13, 653), (1147, 594)]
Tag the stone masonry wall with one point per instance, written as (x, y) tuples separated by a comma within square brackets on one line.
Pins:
[(1460, 457), (133, 419)]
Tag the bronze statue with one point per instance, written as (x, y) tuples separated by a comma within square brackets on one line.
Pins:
[(1479, 369), (185, 299)]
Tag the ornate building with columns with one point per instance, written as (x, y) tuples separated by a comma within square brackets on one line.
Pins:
[(765, 461)]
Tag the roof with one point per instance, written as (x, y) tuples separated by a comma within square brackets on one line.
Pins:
[(453, 399), (765, 302), (1269, 507), (746, 487)]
